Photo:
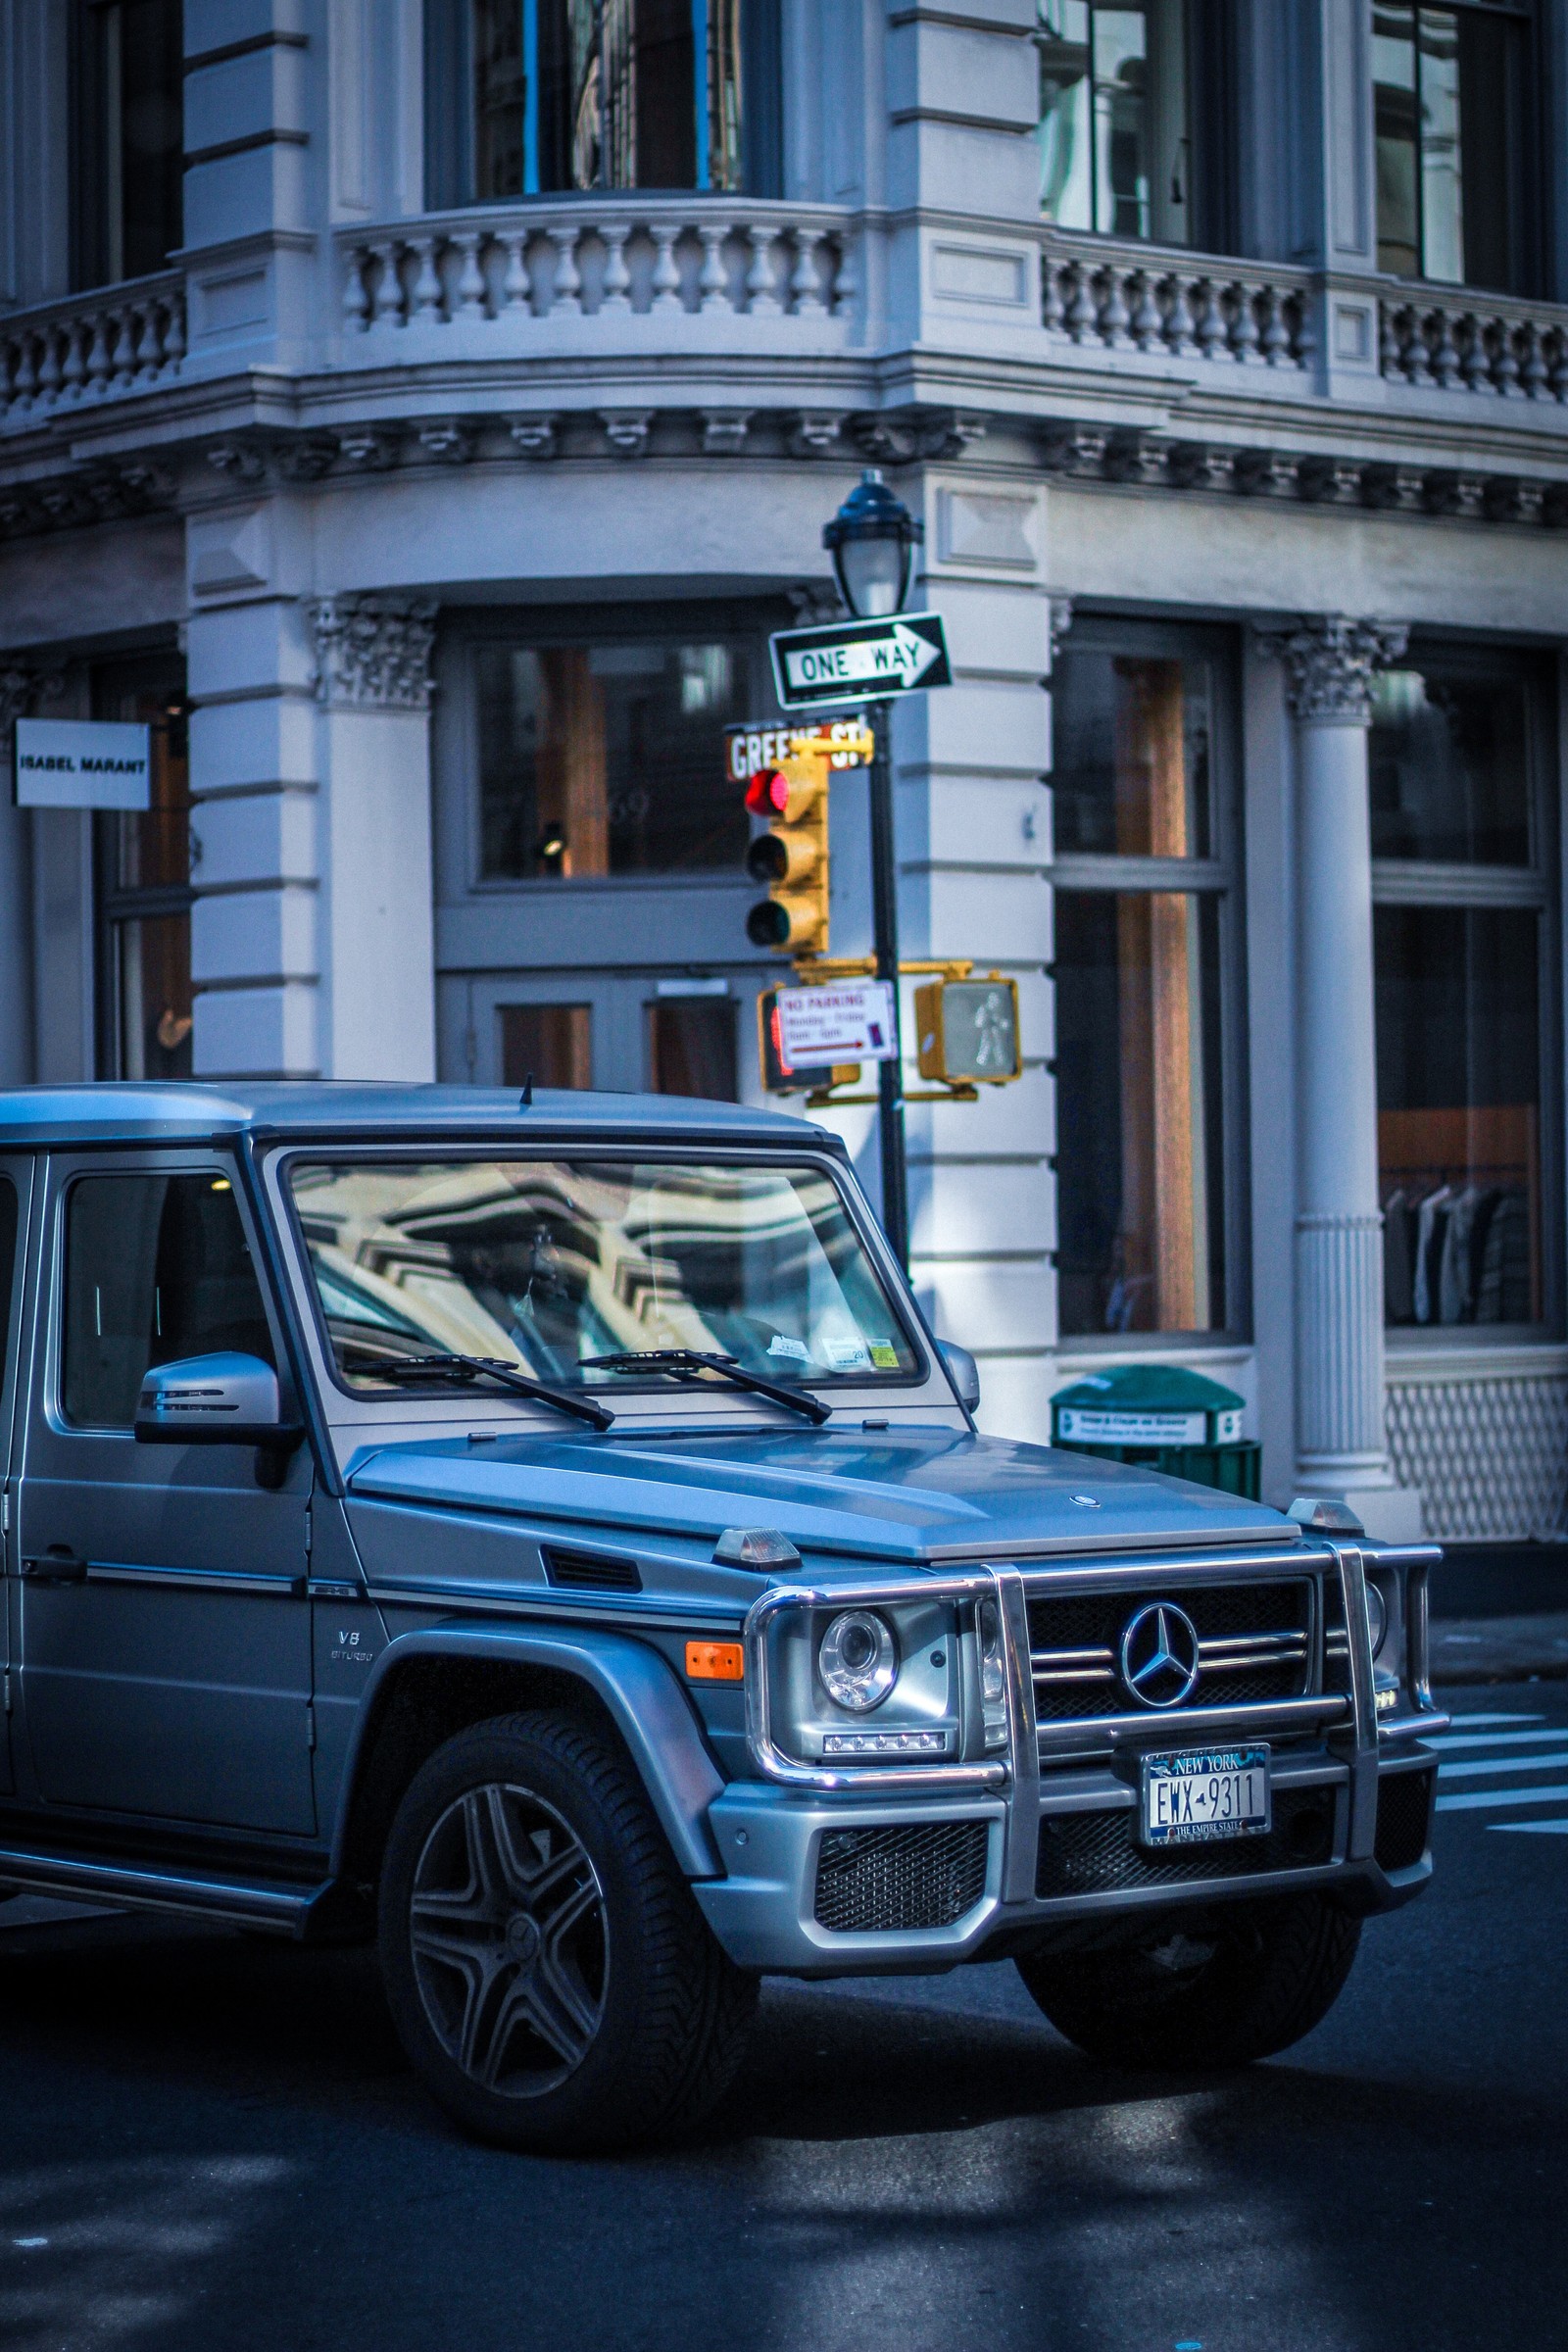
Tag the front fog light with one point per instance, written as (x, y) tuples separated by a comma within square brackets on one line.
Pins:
[(857, 1661)]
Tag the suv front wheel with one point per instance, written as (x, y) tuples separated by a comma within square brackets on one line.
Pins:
[(1253, 1981), (549, 1976)]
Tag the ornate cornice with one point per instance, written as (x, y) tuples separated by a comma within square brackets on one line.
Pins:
[(373, 652), (1329, 661)]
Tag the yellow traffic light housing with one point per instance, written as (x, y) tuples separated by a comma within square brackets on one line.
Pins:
[(790, 856), (968, 1031)]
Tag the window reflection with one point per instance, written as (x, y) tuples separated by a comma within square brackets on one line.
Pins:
[(1450, 772), (1460, 1113), (1115, 134), (1453, 143), (607, 759), (544, 1264), (1133, 758)]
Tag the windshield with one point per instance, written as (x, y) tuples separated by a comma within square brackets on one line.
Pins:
[(546, 1263)]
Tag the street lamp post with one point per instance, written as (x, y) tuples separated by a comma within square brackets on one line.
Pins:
[(873, 540)]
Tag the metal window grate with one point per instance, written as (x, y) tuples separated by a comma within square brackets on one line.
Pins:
[(1405, 1813), (1093, 1853), (927, 1875)]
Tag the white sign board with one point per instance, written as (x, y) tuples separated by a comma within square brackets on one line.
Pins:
[(1135, 1429), (853, 1022), (81, 764), (859, 660)]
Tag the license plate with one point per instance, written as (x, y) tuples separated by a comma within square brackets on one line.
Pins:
[(1205, 1793)]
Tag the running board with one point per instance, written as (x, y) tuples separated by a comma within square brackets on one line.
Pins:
[(291, 1911)]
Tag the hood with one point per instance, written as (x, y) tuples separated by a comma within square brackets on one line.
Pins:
[(909, 1496)]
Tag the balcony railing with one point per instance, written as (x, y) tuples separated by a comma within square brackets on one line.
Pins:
[(599, 257), (92, 347), (1464, 342), (1171, 305)]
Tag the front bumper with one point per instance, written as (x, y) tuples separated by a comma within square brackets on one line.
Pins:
[(765, 1911), (845, 1872)]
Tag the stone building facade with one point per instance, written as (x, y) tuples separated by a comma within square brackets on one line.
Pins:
[(422, 411)]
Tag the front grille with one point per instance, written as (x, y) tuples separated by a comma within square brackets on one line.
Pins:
[(927, 1875), (1094, 1853), (1404, 1810), (1254, 1643)]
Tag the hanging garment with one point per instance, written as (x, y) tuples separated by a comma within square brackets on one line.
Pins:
[(1455, 1289), (1399, 1272), (1504, 1295), (1429, 1253)]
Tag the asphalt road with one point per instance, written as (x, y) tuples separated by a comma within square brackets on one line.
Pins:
[(210, 2141)]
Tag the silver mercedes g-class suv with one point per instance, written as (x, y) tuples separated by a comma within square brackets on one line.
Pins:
[(544, 1536)]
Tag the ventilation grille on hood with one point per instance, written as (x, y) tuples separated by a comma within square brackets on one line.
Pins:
[(590, 1571)]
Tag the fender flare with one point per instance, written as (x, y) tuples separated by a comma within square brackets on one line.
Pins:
[(634, 1684)]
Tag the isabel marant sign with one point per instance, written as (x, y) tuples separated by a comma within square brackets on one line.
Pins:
[(81, 764)]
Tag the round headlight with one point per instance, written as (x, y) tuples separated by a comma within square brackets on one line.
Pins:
[(1377, 1615), (857, 1661)]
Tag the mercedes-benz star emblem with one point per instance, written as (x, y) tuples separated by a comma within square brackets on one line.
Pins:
[(1158, 1657)]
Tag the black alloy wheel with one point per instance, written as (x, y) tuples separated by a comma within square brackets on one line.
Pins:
[(549, 1973)]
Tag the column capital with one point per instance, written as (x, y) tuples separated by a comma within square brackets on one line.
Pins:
[(23, 686), (1329, 660), (373, 652)]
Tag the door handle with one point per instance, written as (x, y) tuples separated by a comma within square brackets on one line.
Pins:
[(58, 1566)]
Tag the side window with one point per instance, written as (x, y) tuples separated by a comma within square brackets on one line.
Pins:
[(156, 1268), (8, 1268)]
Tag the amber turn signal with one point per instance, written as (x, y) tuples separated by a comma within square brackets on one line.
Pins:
[(715, 1662)]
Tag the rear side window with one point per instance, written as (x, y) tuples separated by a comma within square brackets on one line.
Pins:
[(156, 1268), (8, 1269)]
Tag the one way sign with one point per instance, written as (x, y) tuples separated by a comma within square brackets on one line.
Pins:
[(859, 660)]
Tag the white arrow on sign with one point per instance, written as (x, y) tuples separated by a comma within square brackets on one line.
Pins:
[(901, 653)]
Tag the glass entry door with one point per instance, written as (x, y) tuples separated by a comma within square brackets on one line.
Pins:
[(619, 1036)]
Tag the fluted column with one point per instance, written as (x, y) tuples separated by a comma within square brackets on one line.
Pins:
[(1339, 1439)]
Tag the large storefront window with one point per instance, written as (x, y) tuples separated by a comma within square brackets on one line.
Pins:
[(1454, 144), (531, 97), (607, 759), (1463, 951), (143, 887), (128, 147), (1143, 951)]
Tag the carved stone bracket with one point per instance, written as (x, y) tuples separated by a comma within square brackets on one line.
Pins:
[(1329, 661), (814, 602), (1060, 621), (536, 436), (373, 652), (816, 433), (724, 431), (626, 431), (369, 448), (236, 461), (447, 439), (894, 437), (307, 457)]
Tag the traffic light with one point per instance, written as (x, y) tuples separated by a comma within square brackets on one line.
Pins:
[(968, 1031), (790, 856)]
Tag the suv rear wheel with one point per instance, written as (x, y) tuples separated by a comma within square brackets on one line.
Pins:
[(549, 1976), (1259, 1979)]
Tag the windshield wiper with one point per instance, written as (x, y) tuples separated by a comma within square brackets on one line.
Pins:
[(690, 1361), (489, 1367)]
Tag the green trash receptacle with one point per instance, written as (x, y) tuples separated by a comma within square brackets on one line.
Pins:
[(1165, 1417)]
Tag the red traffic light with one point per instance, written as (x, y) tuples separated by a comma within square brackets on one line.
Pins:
[(769, 793)]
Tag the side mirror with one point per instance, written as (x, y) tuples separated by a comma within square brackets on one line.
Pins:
[(213, 1400), (962, 1371)]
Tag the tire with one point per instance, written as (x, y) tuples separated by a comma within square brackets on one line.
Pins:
[(549, 1976), (1255, 1983)]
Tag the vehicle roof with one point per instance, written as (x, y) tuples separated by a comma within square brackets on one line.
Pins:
[(129, 1111)]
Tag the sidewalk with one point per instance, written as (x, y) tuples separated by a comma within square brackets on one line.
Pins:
[(1499, 1613)]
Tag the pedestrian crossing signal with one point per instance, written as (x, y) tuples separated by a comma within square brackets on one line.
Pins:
[(791, 857)]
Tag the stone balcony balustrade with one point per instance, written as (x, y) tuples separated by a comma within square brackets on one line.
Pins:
[(91, 347), (543, 268), (1463, 342), (1108, 295)]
